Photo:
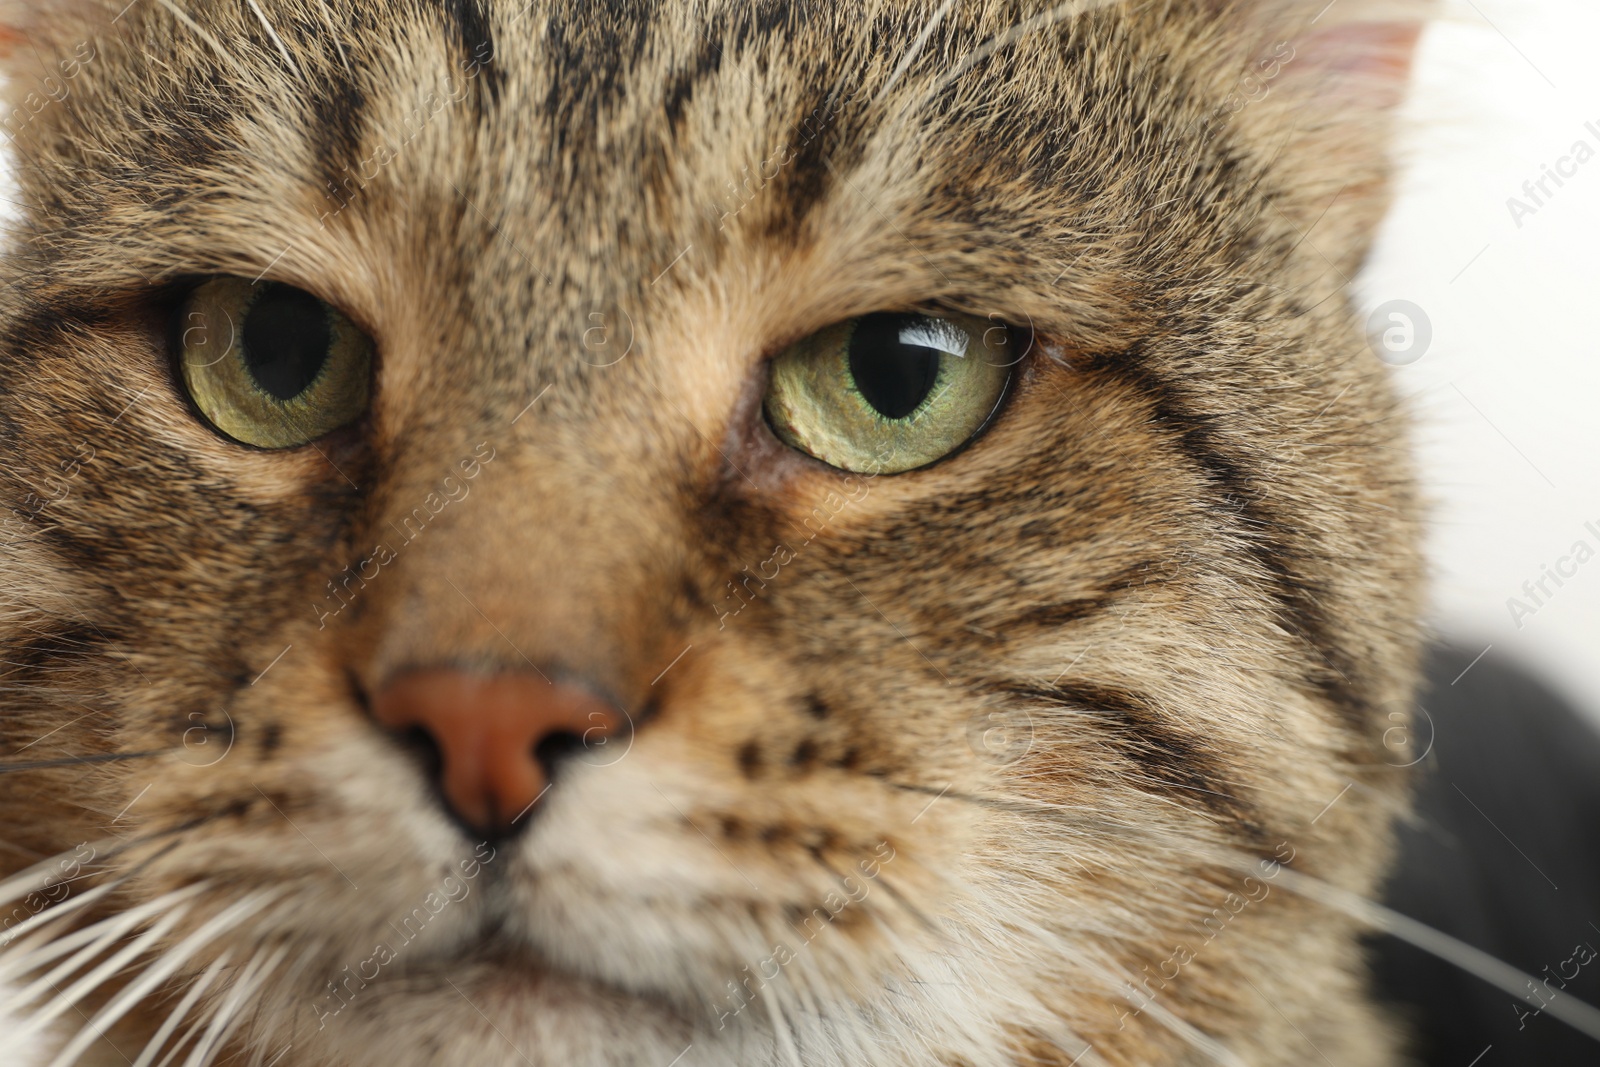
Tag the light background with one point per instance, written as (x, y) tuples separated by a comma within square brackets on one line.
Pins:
[(1509, 435), (1509, 393)]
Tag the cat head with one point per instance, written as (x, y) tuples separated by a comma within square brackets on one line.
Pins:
[(967, 735)]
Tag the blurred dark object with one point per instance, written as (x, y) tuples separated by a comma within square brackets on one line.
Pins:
[(1505, 855)]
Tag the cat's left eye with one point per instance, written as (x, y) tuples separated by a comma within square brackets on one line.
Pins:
[(271, 365), (892, 391)]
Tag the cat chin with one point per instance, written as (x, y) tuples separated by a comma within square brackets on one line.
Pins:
[(507, 1013), (510, 1011)]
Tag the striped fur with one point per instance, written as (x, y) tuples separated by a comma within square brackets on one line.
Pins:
[(1041, 720)]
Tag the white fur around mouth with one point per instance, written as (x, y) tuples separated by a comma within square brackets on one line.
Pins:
[(505, 1006)]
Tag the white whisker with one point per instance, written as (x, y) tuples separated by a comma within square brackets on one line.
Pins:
[(99, 975), (181, 1010), (201, 32), (782, 1034), (153, 976), (915, 49), (95, 936), (283, 49), (1585, 1018), (1197, 1040), (53, 948), (227, 1015), (191, 1034), (333, 34), (38, 876), (291, 979), (24, 939)]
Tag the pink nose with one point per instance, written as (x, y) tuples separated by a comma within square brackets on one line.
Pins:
[(496, 735)]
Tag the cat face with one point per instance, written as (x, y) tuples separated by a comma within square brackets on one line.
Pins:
[(975, 735)]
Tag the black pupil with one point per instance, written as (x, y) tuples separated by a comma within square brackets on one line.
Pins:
[(286, 340), (894, 376)]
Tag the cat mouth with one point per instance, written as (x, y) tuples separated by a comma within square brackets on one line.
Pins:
[(517, 961), (484, 970)]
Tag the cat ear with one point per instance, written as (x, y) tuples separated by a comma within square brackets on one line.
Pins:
[(44, 46), (1318, 95), (49, 26), (1360, 53), (42, 39)]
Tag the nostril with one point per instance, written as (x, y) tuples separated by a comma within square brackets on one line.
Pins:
[(425, 747), (555, 749)]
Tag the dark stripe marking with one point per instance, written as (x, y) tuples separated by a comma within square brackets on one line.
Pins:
[(593, 51), (1174, 762), (1238, 502), (338, 122), (1049, 617), (468, 21)]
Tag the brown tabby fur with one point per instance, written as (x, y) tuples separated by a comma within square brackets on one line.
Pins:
[(1067, 697)]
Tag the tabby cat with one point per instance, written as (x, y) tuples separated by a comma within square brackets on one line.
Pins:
[(698, 533)]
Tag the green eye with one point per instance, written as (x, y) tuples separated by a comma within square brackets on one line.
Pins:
[(271, 365), (890, 392)]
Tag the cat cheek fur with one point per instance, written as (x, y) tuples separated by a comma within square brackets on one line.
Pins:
[(983, 764)]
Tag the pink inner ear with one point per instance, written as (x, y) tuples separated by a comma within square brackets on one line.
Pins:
[(1365, 58)]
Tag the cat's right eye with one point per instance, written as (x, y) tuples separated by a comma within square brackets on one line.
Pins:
[(890, 392), (271, 365)]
